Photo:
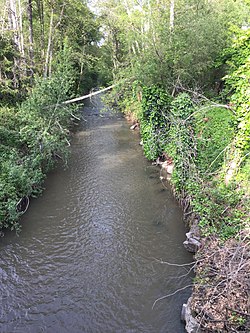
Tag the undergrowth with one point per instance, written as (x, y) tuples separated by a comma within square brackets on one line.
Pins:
[(34, 136)]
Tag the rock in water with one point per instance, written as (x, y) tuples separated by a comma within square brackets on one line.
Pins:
[(193, 241), (191, 244), (192, 326), (133, 127)]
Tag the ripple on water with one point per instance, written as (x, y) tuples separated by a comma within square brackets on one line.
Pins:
[(85, 261)]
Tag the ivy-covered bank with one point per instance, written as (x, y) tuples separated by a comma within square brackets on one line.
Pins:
[(34, 136), (200, 138), (208, 144)]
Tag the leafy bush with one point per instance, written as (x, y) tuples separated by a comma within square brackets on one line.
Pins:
[(32, 137), (154, 120), (8, 91), (180, 144), (214, 130), (238, 62)]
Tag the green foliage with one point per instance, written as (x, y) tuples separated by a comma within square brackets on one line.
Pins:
[(180, 143), (154, 121), (145, 47), (198, 140), (40, 33), (217, 205), (214, 132), (81, 28), (197, 147), (237, 80), (7, 56), (33, 137)]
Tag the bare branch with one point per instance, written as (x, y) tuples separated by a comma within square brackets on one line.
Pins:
[(172, 264), (172, 294)]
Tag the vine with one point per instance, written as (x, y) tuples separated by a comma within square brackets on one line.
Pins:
[(197, 138)]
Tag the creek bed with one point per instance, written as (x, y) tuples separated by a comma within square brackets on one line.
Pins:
[(85, 260)]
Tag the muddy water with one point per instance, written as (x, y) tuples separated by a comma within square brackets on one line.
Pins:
[(86, 258)]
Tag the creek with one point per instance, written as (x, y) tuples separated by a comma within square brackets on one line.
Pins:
[(88, 257)]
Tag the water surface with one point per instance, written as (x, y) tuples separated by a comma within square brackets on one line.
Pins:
[(85, 260)]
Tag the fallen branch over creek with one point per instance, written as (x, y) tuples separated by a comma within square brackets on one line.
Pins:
[(77, 99), (81, 98)]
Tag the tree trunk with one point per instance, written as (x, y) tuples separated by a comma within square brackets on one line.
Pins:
[(31, 40), (52, 29), (4, 13), (48, 53), (50, 59), (14, 27), (13, 22), (20, 29), (40, 9)]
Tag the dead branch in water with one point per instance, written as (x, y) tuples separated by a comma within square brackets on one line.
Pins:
[(172, 294), (172, 264)]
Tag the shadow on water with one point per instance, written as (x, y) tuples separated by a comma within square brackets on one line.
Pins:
[(88, 258)]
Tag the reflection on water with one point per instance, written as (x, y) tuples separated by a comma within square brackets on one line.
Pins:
[(85, 260)]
